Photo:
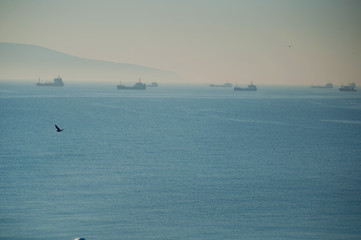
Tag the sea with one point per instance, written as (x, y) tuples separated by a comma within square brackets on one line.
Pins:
[(179, 162)]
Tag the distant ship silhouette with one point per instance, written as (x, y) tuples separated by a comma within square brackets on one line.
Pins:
[(58, 129)]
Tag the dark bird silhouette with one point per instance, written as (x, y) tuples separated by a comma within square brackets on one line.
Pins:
[(58, 129)]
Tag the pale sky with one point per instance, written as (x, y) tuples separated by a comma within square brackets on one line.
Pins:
[(205, 41)]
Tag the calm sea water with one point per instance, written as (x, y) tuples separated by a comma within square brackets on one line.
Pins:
[(179, 163)]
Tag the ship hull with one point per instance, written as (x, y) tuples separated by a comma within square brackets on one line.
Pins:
[(347, 90), (223, 85), (320, 87), (245, 89), (130, 88), (49, 85)]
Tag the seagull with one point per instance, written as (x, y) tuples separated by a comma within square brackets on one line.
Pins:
[(58, 129)]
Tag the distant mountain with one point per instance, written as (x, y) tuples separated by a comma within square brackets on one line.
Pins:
[(29, 62)]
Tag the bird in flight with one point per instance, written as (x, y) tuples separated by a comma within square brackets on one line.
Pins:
[(58, 129)]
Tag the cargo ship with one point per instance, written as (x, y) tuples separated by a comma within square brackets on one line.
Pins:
[(57, 82), (328, 85), (250, 87), (221, 85), (138, 86), (351, 87)]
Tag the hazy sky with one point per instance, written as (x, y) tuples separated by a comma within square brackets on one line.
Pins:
[(205, 41)]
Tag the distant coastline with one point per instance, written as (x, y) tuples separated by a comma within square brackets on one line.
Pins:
[(23, 61)]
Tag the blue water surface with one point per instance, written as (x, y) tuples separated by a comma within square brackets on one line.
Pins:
[(179, 162)]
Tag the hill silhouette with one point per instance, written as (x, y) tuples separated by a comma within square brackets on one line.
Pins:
[(29, 62)]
